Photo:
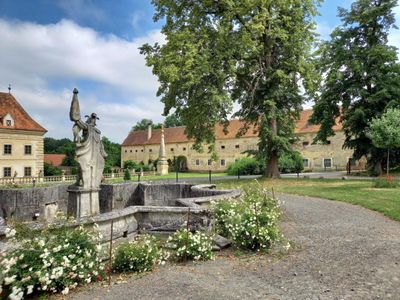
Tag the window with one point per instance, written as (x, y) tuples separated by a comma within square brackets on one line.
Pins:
[(327, 162), (141, 150), (197, 162), (222, 162), (131, 151), (7, 172), (172, 149), (237, 146), (222, 147), (27, 171), (306, 163), (306, 143), (7, 149), (150, 150), (328, 142), (184, 149), (126, 151), (209, 162), (8, 122), (28, 149), (136, 151)]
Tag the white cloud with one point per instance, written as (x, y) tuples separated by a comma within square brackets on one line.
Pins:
[(44, 63)]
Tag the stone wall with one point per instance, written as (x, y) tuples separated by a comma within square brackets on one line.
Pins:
[(29, 203)]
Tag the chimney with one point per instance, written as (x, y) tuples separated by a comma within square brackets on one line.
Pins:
[(149, 132)]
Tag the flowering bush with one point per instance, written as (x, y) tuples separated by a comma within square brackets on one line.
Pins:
[(250, 221), (138, 256), (56, 261), (197, 246)]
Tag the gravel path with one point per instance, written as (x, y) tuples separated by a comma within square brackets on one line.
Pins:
[(342, 252)]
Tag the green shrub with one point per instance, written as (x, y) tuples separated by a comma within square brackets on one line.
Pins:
[(50, 170), (127, 175), (386, 183), (137, 256), (197, 246), (246, 166), (291, 163), (251, 221), (51, 262), (130, 164)]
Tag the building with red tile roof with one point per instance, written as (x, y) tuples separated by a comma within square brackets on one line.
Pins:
[(54, 159), (143, 146), (21, 140)]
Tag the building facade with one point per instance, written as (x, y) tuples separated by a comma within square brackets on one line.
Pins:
[(143, 146), (21, 140)]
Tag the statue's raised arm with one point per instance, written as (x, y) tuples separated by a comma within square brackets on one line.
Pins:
[(75, 111)]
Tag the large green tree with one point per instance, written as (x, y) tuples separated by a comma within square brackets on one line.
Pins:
[(361, 76), (255, 52)]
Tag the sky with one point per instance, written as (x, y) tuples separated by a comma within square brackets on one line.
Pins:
[(48, 47)]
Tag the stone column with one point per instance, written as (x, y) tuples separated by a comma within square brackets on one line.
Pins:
[(162, 164)]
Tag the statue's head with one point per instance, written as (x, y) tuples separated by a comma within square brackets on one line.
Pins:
[(92, 119)]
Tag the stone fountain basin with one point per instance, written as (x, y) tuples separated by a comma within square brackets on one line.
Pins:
[(134, 208)]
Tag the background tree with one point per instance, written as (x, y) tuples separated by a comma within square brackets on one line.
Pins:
[(57, 146), (250, 51), (385, 133), (144, 124), (172, 120), (113, 151), (362, 76)]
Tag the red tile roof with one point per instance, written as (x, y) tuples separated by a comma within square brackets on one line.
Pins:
[(54, 159), (177, 134), (22, 120)]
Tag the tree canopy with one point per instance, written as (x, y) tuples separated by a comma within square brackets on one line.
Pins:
[(254, 52), (172, 120), (361, 76), (144, 124)]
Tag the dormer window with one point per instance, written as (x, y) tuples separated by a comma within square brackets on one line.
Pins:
[(8, 120)]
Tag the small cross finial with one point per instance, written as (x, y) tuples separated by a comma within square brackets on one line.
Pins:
[(9, 89)]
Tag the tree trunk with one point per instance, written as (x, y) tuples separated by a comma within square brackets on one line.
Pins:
[(378, 168), (272, 170), (387, 163)]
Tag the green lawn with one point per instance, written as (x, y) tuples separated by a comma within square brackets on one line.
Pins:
[(168, 176), (359, 192)]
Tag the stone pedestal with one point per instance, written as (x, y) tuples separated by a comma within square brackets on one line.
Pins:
[(83, 202), (162, 167)]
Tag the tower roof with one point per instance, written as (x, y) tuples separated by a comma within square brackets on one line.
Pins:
[(22, 120)]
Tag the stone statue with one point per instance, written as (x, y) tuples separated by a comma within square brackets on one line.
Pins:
[(83, 197), (90, 152)]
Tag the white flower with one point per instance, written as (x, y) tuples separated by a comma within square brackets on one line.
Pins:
[(65, 291), (16, 294), (9, 280), (30, 289), (10, 232), (41, 243)]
